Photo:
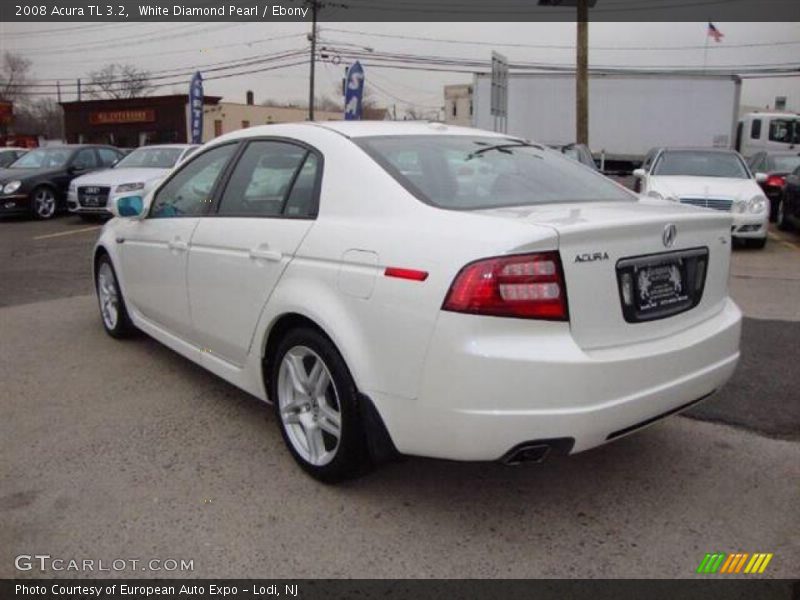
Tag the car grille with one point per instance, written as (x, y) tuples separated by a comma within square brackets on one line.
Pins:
[(93, 196), (715, 203)]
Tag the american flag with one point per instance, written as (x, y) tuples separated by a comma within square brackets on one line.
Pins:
[(715, 33)]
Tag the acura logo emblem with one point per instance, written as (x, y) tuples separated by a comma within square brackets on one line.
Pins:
[(669, 235)]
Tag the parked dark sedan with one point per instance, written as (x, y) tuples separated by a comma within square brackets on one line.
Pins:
[(775, 166), (789, 204), (37, 183)]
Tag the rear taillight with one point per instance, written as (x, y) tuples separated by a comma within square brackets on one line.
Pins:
[(528, 286), (776, 181)]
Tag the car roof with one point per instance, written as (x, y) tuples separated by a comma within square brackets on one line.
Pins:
[(697, 149), (361, 129), (782, 152), (358, 129), (176, 146)]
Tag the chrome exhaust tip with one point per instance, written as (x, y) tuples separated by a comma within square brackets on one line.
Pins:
[(527, 453)]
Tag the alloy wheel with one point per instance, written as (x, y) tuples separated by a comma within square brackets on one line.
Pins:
[(309, 406), (108, 296), (44, 203)]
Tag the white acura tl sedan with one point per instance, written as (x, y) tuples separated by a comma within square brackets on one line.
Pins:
[(422, 289), (711, 178)]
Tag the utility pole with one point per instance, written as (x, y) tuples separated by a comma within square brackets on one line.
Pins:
[(582, 75), (313, 38), (79, 89)]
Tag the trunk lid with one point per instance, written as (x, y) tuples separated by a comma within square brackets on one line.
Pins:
[(595, 240)]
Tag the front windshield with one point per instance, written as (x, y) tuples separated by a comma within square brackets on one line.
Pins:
[(150, 158), (784, 164), (701, 164), (43, 158), (462, 172)]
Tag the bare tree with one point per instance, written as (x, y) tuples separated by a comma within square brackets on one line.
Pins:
[(40, 117), (14, 71), (119, 81)]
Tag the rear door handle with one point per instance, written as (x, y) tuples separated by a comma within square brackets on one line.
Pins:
[(262, 253), (179, 245)]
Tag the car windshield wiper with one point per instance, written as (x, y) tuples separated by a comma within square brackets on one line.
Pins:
[(500, 147)]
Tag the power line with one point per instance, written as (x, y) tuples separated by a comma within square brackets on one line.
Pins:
[(559, 46)]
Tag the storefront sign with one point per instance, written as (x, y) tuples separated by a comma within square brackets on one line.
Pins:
[(117, 117)]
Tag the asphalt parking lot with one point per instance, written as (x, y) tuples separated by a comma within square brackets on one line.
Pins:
[(119, 450)]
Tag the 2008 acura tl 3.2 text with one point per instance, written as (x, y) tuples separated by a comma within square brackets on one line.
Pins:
[(424, 289)]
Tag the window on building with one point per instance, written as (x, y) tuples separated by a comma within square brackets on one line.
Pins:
[(245, 124), (470, 108), (455, 108), (217, 127)]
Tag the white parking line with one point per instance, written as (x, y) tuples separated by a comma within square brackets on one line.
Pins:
[(70, 232)]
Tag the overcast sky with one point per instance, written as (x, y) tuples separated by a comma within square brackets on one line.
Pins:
[(66, 55)]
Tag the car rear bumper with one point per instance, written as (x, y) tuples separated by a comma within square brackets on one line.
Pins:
[(489, 386)]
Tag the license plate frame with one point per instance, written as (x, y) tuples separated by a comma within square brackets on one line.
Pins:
[(657, 286)]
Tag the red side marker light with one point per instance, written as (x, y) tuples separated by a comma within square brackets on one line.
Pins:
[(412, 274)]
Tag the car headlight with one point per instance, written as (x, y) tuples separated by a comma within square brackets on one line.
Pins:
[(757, 204), (130, 187), (11, 187), (739, 206)]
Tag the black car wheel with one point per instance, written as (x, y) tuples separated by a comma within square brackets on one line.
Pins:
[(43, 202)]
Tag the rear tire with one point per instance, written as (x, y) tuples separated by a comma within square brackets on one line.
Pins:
[(113, 312), (783, 220), (317, 407)]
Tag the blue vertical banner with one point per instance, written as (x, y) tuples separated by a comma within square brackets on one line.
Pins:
[(196, 108), (353, 92)]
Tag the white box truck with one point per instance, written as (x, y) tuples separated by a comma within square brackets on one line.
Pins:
[(628, 113)]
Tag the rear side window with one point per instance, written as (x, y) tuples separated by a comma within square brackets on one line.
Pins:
[(263, 180), (85, 159), (465, 172), (107, 156), (755, 129)]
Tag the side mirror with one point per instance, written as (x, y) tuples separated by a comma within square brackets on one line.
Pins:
[(639, 173), (761, 177), (128, 206)]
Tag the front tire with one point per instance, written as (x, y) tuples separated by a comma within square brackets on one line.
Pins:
[(113, 311), (783, 220), (317, 408), (43, 202)]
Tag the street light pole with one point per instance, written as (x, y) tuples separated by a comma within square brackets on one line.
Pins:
[(582, 75), (313, 38)]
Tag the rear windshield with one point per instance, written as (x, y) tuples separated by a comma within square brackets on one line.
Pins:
[(701, 164), (786, 163), (464, 172)]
